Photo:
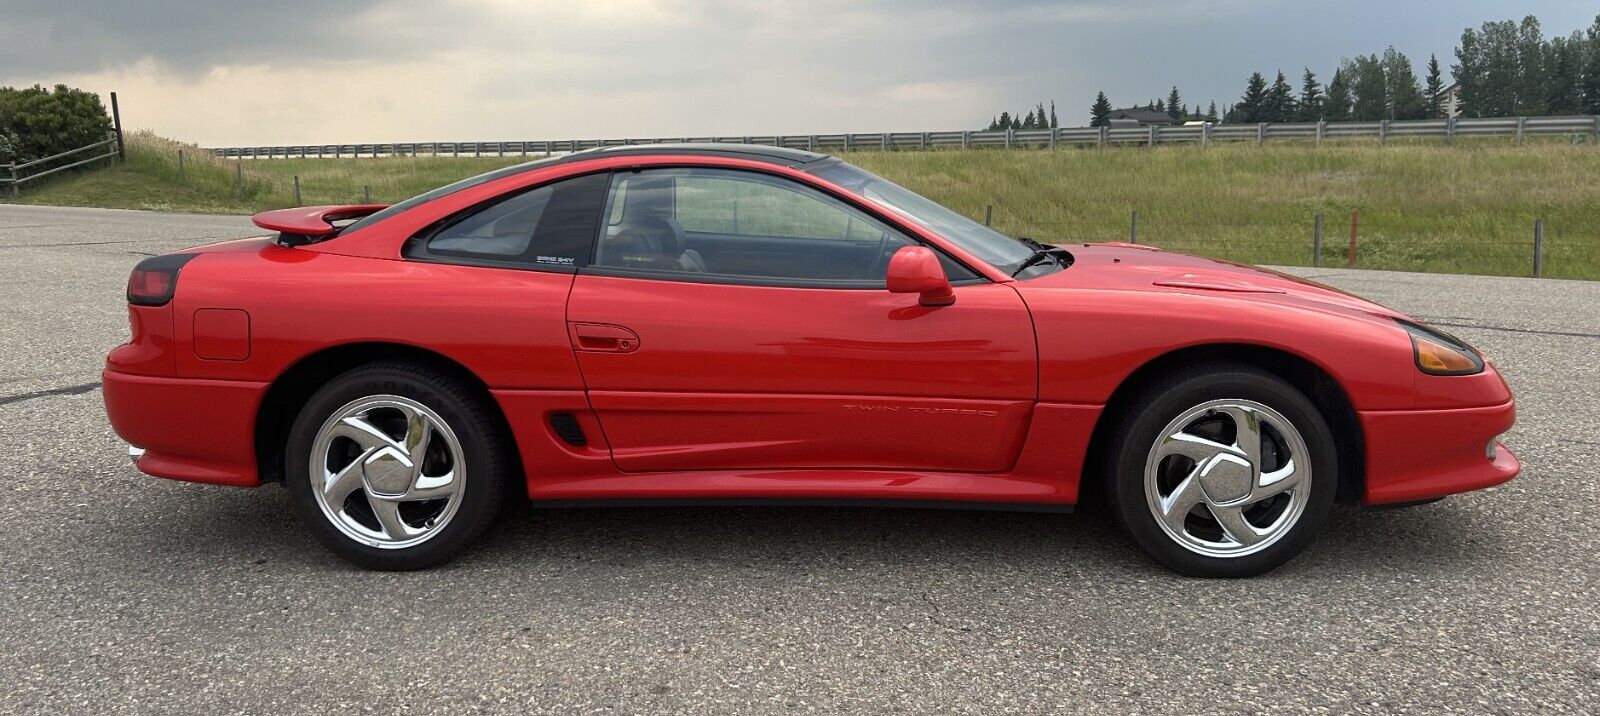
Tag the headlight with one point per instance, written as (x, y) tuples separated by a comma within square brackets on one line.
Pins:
[(1439, 353)]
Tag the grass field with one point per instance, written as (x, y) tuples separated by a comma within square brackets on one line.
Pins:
[(1468, 208)]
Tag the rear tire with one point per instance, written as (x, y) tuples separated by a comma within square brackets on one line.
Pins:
[(1222, 471), (396, 466)]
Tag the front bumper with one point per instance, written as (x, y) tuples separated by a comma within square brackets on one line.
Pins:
[(186, 429), (1415, 455)]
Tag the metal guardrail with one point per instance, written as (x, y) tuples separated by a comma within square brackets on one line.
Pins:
[(1447, 129), (18, 174)]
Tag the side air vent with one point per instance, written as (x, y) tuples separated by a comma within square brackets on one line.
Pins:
[(566, 426)]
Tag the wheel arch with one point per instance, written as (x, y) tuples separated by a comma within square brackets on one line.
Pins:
[(1320, 386), (289, 392)]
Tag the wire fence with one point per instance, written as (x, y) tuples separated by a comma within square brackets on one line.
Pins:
[(1578, 127)]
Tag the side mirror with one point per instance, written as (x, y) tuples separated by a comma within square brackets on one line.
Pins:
[(916, 269)]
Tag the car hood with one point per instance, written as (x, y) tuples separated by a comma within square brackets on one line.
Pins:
[(1133, 267)]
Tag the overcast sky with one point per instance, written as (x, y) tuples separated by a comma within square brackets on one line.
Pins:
[(225, 72)]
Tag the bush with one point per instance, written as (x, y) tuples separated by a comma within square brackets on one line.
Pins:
[(36, 122)]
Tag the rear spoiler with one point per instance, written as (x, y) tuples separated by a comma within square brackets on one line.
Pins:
[(308, 224)]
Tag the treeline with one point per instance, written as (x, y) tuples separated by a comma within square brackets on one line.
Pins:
[(1037, 119), (36, 122), (1504, 68)]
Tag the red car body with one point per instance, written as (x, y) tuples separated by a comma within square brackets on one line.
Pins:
[(688, 391)]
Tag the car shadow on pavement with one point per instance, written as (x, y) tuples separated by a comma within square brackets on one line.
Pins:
[(259, 524)]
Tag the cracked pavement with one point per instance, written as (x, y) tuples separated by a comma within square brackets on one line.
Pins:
[(121, 593)]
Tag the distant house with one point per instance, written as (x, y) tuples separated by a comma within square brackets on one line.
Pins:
[(1139, 116), (1450, 100)]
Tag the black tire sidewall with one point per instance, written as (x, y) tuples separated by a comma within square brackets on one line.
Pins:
[(467, 417), (1167, 399)]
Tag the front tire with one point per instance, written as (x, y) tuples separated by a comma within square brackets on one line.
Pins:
[(1226, 471), (395, 466)]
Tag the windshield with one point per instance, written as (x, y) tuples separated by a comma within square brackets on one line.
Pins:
[(992, 246)]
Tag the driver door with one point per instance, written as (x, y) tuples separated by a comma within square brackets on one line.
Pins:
[(739, 320)]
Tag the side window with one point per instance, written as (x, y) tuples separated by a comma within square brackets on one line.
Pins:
[(550, 227), (702, 224)]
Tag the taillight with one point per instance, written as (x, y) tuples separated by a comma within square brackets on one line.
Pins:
[(154, 280)]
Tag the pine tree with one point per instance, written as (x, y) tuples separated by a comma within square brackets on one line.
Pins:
[(1401, 91), (1369, 88), (1100, 112), (1435, 88), (1565, 93), (1591, 72), (1028, 122), (1016, 123), (1041, 120), (1336, 107), (1159, 106), (1053, 121), (1211, 114), (1310, 97), (1252, 105), (994, 123), (1175, 108), (1280, 101), (1005, 121)]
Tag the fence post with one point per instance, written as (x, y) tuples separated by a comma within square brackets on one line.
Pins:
[(883, 141), (1450, 130), (922, 140), (1538, 248), (1316, 241), (297, 201), (1522, 124), (1350, 253), (238, 178), (13, 167), (366, 193), (116, 124), (1261, 133), (1383, 131), (1154, 131), (1594, 132), (1205, 134), (1055, 136), (181, 177), (335, 151), (1133, 228), (966, 139), (1010, 133), (1322, 130), (1105, 134), (988, 213)]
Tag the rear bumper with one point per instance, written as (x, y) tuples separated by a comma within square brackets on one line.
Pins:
[(187, 429), (1417, 455)]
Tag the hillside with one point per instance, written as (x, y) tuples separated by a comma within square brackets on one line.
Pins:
[(1468, 208)]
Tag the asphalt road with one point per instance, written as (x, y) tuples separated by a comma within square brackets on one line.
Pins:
[(123, 593)]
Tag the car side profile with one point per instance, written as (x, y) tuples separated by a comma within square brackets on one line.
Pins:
[(712, 324)]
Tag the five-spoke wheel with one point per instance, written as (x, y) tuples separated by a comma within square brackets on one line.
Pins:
[(387, 471), (398, 466), (1226, 470)]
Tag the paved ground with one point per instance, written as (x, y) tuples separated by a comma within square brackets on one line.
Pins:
[(125, 593)]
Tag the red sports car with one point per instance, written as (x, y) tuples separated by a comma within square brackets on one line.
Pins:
[(740, 324)]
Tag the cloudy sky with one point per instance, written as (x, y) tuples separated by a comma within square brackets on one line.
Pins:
[(225, 72)]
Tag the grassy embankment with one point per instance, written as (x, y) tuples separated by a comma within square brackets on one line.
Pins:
[(1467, 208)]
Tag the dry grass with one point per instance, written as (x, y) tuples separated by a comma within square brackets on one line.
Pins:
[(1424, 206)]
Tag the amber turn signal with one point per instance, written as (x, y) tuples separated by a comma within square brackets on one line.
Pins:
[(1439, 353)]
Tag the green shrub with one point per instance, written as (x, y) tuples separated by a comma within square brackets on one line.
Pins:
[(37, 122)]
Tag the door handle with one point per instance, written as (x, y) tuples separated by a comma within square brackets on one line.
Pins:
[(602, 337)]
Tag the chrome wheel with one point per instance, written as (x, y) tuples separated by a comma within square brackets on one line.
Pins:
[(1228, 478), (387, 471)]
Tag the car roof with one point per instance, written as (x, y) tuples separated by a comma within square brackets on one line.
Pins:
[(782, 156)]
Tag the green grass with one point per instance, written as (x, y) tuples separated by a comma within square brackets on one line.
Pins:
[(1424, 206)]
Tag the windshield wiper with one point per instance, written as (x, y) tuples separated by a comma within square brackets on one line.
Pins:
[(1040, 253)]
